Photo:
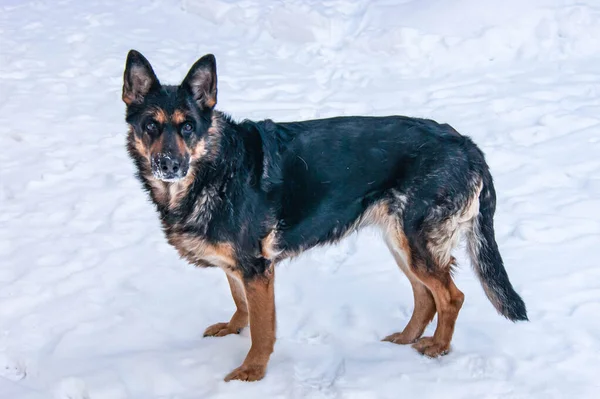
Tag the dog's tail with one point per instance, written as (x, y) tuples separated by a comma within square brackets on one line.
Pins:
[(486, 258)]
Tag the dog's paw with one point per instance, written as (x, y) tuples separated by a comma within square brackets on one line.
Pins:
[(399, 338), (220, 330), (247, 373), (429, 347)]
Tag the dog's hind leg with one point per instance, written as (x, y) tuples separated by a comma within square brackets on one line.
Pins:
[(424, 305), (434, 272), (432, 228), (239, 320), (448, 301)]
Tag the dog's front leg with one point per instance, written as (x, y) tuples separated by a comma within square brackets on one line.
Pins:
[(261, 308), (239, 319)]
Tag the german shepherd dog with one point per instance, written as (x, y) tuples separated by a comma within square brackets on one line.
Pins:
[(244, 196)]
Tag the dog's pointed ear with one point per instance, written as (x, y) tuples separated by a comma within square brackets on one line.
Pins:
[(201, 81), (139, 78)]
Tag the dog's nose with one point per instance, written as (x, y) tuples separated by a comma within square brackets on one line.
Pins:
[(169, 166)]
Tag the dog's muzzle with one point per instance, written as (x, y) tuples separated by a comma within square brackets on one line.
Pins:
[(169, 168)]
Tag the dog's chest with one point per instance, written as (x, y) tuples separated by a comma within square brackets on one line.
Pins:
[(195, 247), (200, 252)]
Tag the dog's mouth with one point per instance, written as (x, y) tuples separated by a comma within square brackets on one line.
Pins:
[(168, 179)]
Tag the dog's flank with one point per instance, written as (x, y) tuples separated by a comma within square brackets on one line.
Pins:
[(244, 196)]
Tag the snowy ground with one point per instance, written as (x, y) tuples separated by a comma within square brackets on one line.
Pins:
[(94, 304)]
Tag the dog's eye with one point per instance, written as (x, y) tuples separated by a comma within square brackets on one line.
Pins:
[(187, 128), (151, 127)]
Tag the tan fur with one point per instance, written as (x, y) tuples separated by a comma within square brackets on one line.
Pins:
[(156, 146), (199, 149), (445, 238), (177, 190), (239, 319), (127, 97), (424, 305), (260, 297), (200, 252), (423, 312), (210, 102), (214, 136), (215, 124), (160, 116), (378, 214), (181, 145), (178, 117), (433, 290), (448, 301), (269, 246), (141, 147), (160, 190), (398, 243)]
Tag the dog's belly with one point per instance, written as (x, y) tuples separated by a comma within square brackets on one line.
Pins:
[(326, 224)]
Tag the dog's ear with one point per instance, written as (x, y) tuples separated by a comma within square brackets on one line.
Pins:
[(201, 81), (139, 78)]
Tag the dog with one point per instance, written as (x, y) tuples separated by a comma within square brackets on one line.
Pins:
[(245, 196)]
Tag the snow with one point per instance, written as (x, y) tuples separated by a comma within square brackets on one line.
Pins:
[(95, 304)]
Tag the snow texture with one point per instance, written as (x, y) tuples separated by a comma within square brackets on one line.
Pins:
[(93, 302)]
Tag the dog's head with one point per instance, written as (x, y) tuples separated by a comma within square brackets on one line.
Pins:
[(169, 124)]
